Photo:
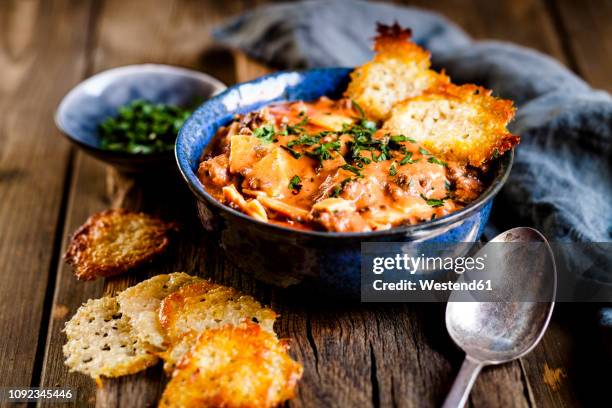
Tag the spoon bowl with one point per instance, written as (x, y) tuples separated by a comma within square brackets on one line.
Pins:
[(494, 332)]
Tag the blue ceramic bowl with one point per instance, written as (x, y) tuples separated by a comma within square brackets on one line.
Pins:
[(99, 97), (284, 256)]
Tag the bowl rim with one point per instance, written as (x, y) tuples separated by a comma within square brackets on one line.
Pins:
[(194, 184), (217, 84)]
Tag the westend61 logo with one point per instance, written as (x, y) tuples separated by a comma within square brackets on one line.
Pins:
[(492, 272), (421, 271), (422, 263)]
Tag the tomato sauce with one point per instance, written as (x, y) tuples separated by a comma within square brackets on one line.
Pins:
[(323, 165)]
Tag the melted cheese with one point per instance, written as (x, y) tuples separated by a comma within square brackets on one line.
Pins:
[(379, 195)]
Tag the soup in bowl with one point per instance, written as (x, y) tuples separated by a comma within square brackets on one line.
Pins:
[(286, 251)]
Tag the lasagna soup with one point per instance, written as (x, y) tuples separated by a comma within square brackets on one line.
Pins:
[(404, 145), (324, 165)]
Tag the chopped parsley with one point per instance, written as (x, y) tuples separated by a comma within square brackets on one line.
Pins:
[(265, 133), (305, 140), (340, 187), (407, 159), (364, 122), (369, 125), (362, 114), (293, 152), (433, 202), (143, 127), (299, 127), (324, 151), (295, 184), (402, 138), (437, 161), (384, 151), (359, 138), (352, 169)]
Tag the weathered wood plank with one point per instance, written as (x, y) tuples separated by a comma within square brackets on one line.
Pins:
[(37, 40), (569, 367), (247, 68), (354, 355), (128, 33), (525, 22), (70, 293), (586, 28)]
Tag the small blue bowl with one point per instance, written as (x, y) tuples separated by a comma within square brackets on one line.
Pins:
[(284, 256), (99, 97)]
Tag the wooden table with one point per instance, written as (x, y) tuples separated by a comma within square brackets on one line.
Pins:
[(359, 355)]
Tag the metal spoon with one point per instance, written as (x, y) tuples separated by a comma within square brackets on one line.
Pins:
[(498, 332)]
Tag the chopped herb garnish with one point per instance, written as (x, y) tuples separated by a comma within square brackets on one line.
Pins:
[(295, 184), (495, 153), (352, 169), (305, 140), (437, 161), (433, 202), (369, 125), (381, 157), (361, 139), (324, 151), (298, 127), (402, 138), (265, 133), (294, 153), (143, 127), (407, 159), (384, 152), (359, 109), (359, 159), (340, 187), (448, 185)]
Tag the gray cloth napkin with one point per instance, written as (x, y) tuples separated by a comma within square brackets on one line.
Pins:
[(561, 182)]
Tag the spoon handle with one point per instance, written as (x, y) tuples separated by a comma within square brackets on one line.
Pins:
[(460, 391)]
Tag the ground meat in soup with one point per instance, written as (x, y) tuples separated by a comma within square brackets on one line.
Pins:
[(323, 166)]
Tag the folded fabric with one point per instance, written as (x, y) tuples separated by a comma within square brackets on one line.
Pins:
[(327, 33), (561, 182)]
